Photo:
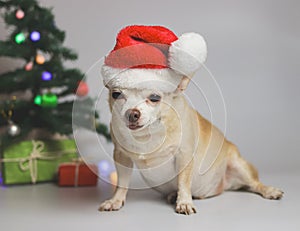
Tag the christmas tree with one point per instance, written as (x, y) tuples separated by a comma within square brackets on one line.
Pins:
[(48, 88)]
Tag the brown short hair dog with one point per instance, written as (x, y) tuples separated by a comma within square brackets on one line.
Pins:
[(154, 127)]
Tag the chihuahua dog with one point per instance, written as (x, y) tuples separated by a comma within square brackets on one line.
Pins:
[(177, 151), (170, 162)]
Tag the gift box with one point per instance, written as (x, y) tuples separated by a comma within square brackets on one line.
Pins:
[(77, 174), (35, 161)]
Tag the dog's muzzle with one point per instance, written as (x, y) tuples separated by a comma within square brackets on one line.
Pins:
[(132, 116)]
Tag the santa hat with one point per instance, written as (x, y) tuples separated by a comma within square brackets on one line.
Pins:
[(153, 57)]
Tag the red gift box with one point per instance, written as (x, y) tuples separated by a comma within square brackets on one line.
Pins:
[(77, 174)]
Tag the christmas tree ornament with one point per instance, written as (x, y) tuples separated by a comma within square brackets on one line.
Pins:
[(35, 36), (29, 66), (46, 76), (82, 89), (49, 100), (40, 59), (38, 100), (20, 38), (20, 14), (13, 129)]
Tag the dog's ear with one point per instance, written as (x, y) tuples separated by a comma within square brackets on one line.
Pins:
[(183, 84)]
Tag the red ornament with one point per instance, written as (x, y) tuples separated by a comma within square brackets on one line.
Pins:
[(29, 66), (20, 14), (82, 89)]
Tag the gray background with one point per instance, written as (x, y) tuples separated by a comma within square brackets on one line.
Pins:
[(253, 53)]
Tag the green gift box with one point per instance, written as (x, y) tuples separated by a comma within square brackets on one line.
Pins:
[(35, 161)]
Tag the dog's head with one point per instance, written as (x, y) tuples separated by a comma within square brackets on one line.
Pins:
[(143, 71), (140, 108)]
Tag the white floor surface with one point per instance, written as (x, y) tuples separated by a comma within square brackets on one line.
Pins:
[(46, 207)]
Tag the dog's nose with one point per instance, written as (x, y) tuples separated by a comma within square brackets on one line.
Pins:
[(132, 115)]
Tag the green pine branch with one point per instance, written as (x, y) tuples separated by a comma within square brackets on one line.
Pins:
[(26, 113)]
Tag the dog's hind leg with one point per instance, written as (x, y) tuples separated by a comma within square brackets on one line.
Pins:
[(242, 175)]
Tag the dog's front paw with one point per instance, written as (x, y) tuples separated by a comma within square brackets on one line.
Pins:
[(272, 193), (186, 208), (111, 205)]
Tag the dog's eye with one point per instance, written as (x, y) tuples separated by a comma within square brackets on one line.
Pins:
[(117, 95), (154, 98)]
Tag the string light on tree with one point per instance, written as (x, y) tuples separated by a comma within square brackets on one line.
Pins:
[(35, 36), (49, 100), (20, 14), (29, 66), (38, 100), (20, 38), (46, 100), (40, 59), (46, 76), (13, 129), (82, 89)]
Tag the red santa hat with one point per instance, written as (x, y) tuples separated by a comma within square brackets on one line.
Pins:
[(153, 57)]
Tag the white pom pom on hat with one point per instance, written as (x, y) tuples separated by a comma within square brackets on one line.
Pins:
[(187, 54), (153, 57)]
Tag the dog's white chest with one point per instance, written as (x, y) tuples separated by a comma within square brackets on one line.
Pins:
[(160, 172)]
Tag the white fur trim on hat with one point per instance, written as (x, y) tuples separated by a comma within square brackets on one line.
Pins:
[(165, 80), (187, 54)]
